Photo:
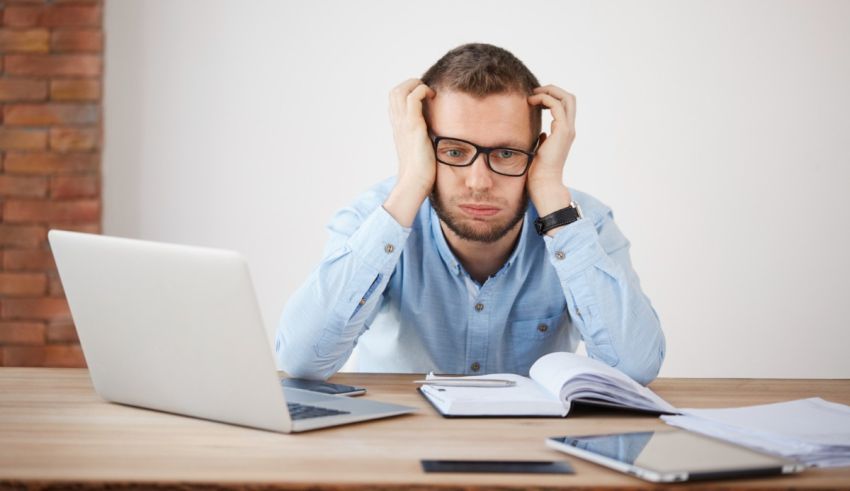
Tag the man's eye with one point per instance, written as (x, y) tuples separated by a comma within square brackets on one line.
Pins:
[(454, 153), (506, 154)]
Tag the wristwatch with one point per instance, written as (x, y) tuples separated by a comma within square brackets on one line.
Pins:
[(564, 216)]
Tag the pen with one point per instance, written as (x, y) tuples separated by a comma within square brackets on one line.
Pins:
[(465, 382)]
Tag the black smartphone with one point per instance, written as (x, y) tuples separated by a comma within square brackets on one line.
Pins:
[(323, 387)]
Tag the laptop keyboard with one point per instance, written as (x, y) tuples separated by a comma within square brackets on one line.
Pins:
[(304, 411)]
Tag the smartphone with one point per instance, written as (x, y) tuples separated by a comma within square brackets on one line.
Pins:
[(323, 387)]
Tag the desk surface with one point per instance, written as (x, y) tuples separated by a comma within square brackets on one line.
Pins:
[(54, 430)]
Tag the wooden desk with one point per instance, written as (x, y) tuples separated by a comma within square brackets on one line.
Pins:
[(56, 432)]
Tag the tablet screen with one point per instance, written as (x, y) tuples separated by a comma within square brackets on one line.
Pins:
[(673, 452)]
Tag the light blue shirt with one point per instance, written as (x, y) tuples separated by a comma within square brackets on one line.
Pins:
[(404, 300)]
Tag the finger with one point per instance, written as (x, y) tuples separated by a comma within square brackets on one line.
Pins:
[(414, 99), (559, 112), (554, 91), (566, 98), (399, 94), (406, 87), (570, 106)]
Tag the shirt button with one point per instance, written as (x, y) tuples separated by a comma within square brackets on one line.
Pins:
[(479, 307), (560, 255), (362, 301), (475, 366), (542, 328), (389, 248)]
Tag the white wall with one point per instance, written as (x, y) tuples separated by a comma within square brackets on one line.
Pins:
[(717, 131)]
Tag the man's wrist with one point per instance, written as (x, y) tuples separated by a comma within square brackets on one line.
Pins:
[(550, 198), (404, 201)]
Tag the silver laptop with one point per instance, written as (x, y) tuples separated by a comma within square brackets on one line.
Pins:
[(178, 329)]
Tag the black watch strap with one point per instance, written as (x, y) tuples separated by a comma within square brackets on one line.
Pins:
[(564, 216)]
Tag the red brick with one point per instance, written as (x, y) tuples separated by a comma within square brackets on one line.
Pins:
[(85, 89), (52, 15), (86, 228), (22, 235), (74, 138), (22, 139), (76, 40), (55, 288), (53, 65), (13, 89), (22, 284), (23, 356), (45, 308), (62, 332), (64, 355), (22, 187), (22, 15), (51, 163), (56, 355), (47, 211), (48, 114), (64, 187), (28, 260), (22, 333), (24, 40)]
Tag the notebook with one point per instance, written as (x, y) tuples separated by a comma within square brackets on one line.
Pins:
[(557, 380)]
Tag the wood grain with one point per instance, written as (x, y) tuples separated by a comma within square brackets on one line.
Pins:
[(55, 432)]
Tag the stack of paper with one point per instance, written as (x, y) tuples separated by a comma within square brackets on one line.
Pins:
[(812, 431)]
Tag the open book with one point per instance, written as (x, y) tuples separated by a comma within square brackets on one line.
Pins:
[(557, 380)]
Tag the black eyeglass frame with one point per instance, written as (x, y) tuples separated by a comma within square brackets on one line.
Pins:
[(435, 140)]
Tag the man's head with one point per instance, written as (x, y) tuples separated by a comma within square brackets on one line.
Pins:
[(482, 93)]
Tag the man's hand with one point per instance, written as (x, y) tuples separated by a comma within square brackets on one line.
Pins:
[(417, 166), (545, 177)]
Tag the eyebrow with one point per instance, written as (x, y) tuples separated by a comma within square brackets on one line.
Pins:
[(501, 144)]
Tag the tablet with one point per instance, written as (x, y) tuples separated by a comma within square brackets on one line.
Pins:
[(672, 456)]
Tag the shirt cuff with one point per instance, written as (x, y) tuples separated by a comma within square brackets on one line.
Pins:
[(574, 248), (379, 240)]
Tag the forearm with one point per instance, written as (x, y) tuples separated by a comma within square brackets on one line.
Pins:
[(323, 319), (404, 201), (605, 301)]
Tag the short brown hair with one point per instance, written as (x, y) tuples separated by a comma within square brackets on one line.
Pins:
[(480, 70)]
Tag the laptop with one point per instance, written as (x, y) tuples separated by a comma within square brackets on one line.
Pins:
[(177, 329)]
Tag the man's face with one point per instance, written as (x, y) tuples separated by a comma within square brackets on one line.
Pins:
[(474, 202)]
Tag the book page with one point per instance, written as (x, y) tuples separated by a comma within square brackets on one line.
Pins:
[(555, 370), (524, 398)]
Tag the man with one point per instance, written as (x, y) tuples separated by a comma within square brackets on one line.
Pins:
[(448, 267)]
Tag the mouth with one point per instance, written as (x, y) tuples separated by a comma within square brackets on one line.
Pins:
[(479, 210)]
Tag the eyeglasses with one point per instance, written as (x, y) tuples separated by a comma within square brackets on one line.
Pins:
[(501, 160)]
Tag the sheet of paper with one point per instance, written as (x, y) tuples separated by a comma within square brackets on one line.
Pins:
[(812, 431)]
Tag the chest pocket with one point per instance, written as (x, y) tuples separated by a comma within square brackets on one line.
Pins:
[(530, 339)]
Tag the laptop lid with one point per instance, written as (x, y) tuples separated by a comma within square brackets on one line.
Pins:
[(171, 327)]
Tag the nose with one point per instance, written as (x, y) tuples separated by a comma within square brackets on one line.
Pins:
[(479, 177)]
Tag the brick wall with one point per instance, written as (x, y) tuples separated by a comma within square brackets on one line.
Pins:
[(50, 139)]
